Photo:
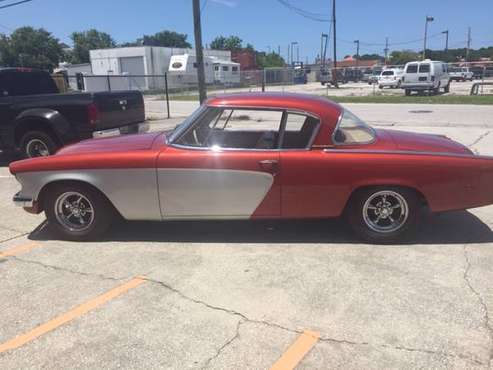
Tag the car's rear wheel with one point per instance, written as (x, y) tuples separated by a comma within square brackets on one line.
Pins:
[(37, 144), (383, 214), (77, 211)]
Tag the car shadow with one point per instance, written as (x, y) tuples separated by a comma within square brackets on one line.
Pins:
[(448, 228)]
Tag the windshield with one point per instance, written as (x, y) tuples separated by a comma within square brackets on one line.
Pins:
[(387, 73), (184, 125), (352, 130)]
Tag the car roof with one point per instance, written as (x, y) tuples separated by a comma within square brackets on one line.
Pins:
[(302, 102)]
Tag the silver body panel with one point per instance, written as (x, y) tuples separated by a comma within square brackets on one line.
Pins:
[(133, 191), (183, 193), (211, 193)]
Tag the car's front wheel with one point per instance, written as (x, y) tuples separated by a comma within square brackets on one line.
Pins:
[(383, 214), (77, 211)]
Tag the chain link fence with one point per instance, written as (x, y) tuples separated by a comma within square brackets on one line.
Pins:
[(314, 79)]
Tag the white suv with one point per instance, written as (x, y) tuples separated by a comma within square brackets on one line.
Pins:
[(427, 75), (390, 78), (460, 74)]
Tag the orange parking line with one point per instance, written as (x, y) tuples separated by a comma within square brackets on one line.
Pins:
[(70, 315), (19, 249), (297, 351)]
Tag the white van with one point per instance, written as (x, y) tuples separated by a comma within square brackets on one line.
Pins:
[(426, 75), (390, 77)]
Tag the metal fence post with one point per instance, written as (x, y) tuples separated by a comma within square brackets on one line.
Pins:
[(167, 95), (109, 82), (263, 80)]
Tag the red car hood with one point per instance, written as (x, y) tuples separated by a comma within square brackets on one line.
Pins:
[(410, 141), (112, 144)]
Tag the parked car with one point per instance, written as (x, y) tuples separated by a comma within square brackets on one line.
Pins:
[(326, 76), (477, 72), (353, 75), (36, 120), (460, 74), (257, 156), (373, 78), (427, 75), (390, 78)]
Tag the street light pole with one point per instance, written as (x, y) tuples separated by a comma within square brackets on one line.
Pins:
[(334, 78), (446, 40), (428, 19), (357, 52)]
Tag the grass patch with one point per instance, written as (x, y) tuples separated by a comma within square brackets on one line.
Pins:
[(391, 99)]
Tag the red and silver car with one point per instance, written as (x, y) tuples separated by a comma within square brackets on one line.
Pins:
[(257, 156)]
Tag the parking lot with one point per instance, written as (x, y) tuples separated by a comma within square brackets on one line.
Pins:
[(230, 295)]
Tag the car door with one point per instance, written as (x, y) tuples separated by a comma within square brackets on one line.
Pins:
[(307, 190), (224, 166)]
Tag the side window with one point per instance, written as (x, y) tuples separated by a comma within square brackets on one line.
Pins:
[(412, 68), (424, 68), (234, 129), (298, 131), (352, 130), (225, 68)]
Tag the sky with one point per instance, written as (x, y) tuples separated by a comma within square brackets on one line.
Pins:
[(268, 24)]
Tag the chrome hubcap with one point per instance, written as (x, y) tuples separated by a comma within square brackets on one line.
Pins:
[(74, 211), (385, 211), (37, 148)]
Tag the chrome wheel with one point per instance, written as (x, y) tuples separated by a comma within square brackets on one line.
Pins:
[(37, 148), (385, 211), (74, 211)]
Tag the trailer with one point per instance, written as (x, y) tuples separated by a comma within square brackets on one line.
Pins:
[(226, 72), (183, 70)]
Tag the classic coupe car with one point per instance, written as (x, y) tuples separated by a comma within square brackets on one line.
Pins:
[(257, 156)]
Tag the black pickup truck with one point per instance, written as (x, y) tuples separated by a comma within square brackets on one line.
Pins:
[(36, 119)]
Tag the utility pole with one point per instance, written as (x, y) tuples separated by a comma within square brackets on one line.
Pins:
[(357, 52), (297, 52), (334, 78), (468, 43), (386, 50), (198, 50), (288, 61), (428, 19), (446, 40), (292, 51)]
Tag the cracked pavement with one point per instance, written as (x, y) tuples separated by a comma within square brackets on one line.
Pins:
[(222, 295)]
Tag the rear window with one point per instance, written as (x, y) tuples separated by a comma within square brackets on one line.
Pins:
[(352, 130), (387, 73), (424, 68), (13, 83), (412, 68)]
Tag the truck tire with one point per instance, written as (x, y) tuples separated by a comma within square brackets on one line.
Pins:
[(446, 89), (37, 144), (408, 92)]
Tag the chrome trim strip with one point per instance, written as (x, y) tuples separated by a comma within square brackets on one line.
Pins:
[(406, 152)]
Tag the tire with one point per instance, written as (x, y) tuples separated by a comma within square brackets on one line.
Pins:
[(68, 224), (380, 87), (37, 144), (446, 89), (372, 220), (407, 92)]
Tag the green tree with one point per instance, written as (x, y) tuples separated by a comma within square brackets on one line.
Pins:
[(29, 47), (165, 38), (404, 56), (369, 57), (228, 43), (89, 40), (268, 60)]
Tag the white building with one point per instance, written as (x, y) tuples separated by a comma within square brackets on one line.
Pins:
[(137, 61)]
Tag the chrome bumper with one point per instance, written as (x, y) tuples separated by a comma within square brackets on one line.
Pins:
[(22, 201), (124, 130)]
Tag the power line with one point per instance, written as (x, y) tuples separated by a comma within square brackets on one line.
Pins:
[(14, 4), (318, 17)]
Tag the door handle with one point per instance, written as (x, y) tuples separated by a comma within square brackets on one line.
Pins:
[(270, 165)]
